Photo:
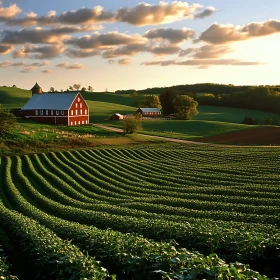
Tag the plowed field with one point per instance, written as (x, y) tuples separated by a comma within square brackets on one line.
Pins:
[(255, 136)]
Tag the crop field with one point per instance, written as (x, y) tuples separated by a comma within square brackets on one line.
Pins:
[(142, 212)]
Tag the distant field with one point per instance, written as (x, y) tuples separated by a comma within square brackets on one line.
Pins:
[(210, 121)]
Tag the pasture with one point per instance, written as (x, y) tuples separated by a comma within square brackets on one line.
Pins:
[(188, 203)]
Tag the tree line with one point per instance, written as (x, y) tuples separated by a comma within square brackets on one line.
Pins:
[(264, 98)]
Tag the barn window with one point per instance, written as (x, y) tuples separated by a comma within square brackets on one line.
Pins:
[(81, 112), (47, 112), (71, 123), (75, 123), (76, 105), (76, 112), (83, 122), (52, 112), (36, 112), (41, 112), (78, 99), (57, 112), (62, 113), (81, 105), (85, 112), (72, 113), (86, 122), (79, 122)]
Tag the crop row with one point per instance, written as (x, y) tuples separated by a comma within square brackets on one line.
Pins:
[(243, 242), (136, 256), (191, 207), (5, 273)]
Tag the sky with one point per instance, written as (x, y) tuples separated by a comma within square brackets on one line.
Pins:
[(127, 44)]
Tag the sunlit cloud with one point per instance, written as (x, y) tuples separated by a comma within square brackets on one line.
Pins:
[(203, 62), (105, 40), (222, 34), (174, 36), (9, 13), (67, 65), (206, 13), (124, 61), (206, 51), (164, 12), (5, 49), (42, 52)]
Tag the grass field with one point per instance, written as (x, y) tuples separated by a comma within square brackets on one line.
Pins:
[(210, 121)]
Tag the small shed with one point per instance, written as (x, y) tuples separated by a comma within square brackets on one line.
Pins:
[(148, 112), (116, 117)]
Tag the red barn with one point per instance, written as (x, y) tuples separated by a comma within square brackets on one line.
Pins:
[(67, 108)]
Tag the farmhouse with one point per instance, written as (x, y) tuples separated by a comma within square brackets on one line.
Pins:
[(56, 108), (116, 116), (149, 111)]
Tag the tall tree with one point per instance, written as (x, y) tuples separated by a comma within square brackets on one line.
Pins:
[(76, 86), (166, 99), (185, 107), (90, 88), (151, 101)]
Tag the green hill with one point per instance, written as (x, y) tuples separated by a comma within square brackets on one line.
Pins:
[(12, 97)]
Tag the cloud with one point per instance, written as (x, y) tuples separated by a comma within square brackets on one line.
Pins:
[(174, 36), (165, 50), (206, 51), (206, 13), (25, 67), (203, 62), (5, 49), (124, 61), (42, 52), (39, 36), (222, 34), (100, 41), (67, 65), (78, 53), (127, 50), (9, 13), (146, 14), (80, 16), (47, 71)]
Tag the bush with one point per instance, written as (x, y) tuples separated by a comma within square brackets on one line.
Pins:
[(131, 125), (7, 121)]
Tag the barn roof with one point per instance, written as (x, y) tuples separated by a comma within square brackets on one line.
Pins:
[(147, 110), (52, 101)]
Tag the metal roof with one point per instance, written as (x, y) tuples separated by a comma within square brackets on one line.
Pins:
[(146, 110), (50, 101)]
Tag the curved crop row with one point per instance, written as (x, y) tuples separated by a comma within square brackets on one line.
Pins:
[(136, 256)]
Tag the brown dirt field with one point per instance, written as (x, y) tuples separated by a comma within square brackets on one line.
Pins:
[(255, 136)]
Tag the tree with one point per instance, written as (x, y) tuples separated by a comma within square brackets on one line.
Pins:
[(52, 89), (131, 125), (166, 99), (7, 121), (76, 86), (83, 89), (90, 88), (151, 101), (185, 107), (71, 87)]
